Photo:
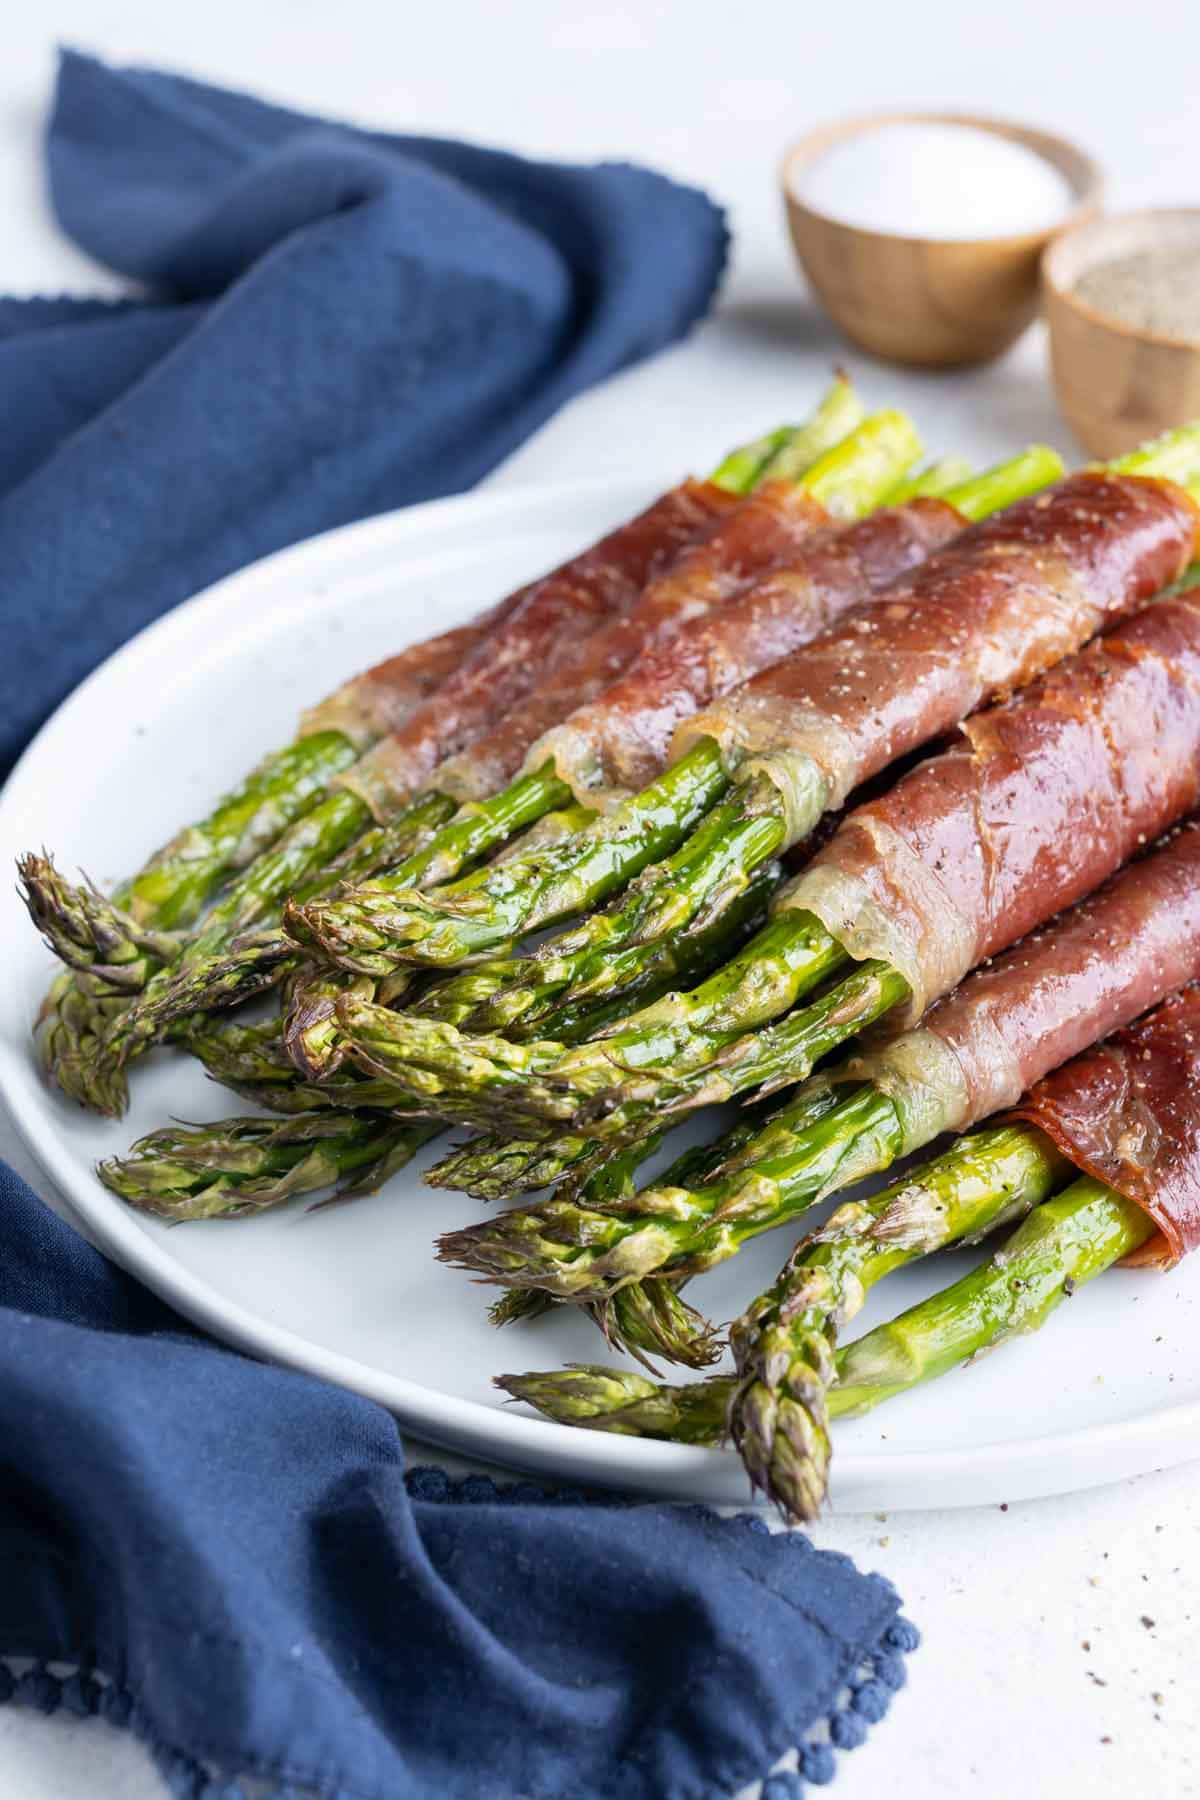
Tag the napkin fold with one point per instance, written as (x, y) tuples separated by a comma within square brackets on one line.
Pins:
[(337, 322), (230, 1560)]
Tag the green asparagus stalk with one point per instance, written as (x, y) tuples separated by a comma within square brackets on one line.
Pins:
[(493, 1167), (314, 1038), (932, 483), (690, 1049), (79, 1044), (388, 925), (186, 986), (256, 959), (776, 1056), (792, 449), (784, 1342), (618, 951), (490, 1081), (626, 1404), (252, 1061), (172, 889), (70, 1030), (211, 974), (166, 895), (88, 931), (646, 1318), (169, 893), (577, 1252), (262, 1162), (1065, 1242), (650, 1318)]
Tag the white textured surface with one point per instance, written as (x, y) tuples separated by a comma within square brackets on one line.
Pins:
[(1004, 1697)]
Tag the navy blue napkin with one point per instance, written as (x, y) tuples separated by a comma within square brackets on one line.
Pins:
[(235, 1565), (338, 322)]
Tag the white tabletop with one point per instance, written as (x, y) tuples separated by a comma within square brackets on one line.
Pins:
[(1058, 1634)]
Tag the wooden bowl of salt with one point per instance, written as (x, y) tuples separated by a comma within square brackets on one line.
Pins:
[(922, 233), (1123, 307)]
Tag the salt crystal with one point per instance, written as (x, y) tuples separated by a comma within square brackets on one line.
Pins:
[(930, 180)]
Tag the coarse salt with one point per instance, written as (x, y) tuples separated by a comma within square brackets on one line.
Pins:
[(931, 180)]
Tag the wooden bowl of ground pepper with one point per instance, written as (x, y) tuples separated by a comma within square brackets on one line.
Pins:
[(1122, 301)]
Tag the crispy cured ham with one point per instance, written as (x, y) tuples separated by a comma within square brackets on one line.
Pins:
[(620, 742), (519, 649), (1128, 1113), (1006, 599), (1039, 801), (1086, 974), (768, 529)]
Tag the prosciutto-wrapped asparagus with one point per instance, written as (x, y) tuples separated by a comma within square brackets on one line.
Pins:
[(710, 653), (1095, 969), (1048, 795), (1010, 597), (172, 888), (1126, 1112), (705, 574), (1040, 800), (605, 582)]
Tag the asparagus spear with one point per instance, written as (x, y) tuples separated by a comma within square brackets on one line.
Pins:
[(386, 926), (262, 1162), (933, 482), (626, 1404), (791, 449), (222, 964), (1066, 1241), (207, 975), (684, 1051), (186, 985), (253, 1061), (488, 1080), (166, 895), (88, 931), (783, 1343), (169, 893), (174, 886), (609, 951), (577, 1252), (78, 1044)]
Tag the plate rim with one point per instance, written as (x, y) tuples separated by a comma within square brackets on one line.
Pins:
[(1167, 1435)]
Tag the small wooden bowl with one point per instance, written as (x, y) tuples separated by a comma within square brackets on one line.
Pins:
[(933, 302), (1117, 384)]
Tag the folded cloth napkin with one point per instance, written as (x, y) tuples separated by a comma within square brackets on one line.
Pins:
[(230, 1559), (234, 1564), (340, 322)]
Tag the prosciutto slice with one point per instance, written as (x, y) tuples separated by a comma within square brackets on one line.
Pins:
[(1128, 1112), (773, 526), (620, 742), (1093, 969), (1004, 600), (1037, 803), (437, 694)]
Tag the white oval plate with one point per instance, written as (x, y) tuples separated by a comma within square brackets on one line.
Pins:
[(1110, 1388)]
